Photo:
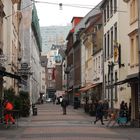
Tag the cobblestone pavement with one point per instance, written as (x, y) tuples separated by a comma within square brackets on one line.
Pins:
[(50, 124)]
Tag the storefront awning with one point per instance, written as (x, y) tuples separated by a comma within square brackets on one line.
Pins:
[(129, 79), (87, 87), (11, 75), (7, 74), (69, 90)]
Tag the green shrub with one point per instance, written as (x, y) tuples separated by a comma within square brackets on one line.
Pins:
[(25, 103), (21, 102)]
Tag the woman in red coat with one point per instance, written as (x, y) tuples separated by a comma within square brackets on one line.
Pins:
[(8, 107)]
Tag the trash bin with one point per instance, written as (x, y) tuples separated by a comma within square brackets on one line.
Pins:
[(34, 111)]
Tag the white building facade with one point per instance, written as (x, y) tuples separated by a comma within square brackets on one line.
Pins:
[(115, 51), (31, 46), (11, 43)]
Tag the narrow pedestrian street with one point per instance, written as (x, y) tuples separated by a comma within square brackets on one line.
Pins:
[(50, 124)]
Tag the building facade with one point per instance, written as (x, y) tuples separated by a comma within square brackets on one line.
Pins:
[(53, 35), (115, 51), (31, 45), (73, 57), (133, 58), (10, 49)]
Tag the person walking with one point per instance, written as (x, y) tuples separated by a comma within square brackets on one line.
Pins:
[(54, 98), (99, 112), (64, 105), (105, 108), (129, 111), (8, 107)]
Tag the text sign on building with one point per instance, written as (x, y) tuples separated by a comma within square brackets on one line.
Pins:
[(24, 66), (116, 53)]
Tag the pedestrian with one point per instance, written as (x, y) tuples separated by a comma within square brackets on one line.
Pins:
[(54, 98), (105, 108), (64, 105), (60, 99), (122, 109), (113, 117), (8, 108), (129, 111), (99, 112), (126, 111)]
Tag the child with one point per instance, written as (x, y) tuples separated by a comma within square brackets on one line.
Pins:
[(113, 118)]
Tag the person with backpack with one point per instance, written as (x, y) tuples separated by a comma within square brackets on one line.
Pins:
[(64, 105)]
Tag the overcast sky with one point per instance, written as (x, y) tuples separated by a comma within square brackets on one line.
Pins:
[(50, 14)]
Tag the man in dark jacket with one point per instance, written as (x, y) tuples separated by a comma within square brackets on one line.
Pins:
[(99, 113), (105, 108), (64, 104)]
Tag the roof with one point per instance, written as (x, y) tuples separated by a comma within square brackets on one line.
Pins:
[(76, 17), (103, 3)]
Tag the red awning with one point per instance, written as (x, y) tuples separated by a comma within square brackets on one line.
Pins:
[(77, 94), (87, 87)]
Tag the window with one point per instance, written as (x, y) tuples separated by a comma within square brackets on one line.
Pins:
[(132, 51), (108, 44), (111, 8), (108, 84), (137, 50), (104, 16), (49, 77), (99, 65), (134, 57), (105, 55), (105, 88), (43, 87), (133, 11), (108, 11), (115, 6), (96, 65), (115, 32), (43, 79), (116, 78), (112, 41)]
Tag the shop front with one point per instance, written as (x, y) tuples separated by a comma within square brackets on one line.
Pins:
[(90, 95), (132, 81)]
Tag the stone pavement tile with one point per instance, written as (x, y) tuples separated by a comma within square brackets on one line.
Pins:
[(72, 138), (67, 129), (50, 124)]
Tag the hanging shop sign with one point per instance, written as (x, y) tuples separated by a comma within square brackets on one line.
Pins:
[(24, 65), (116, 54)]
